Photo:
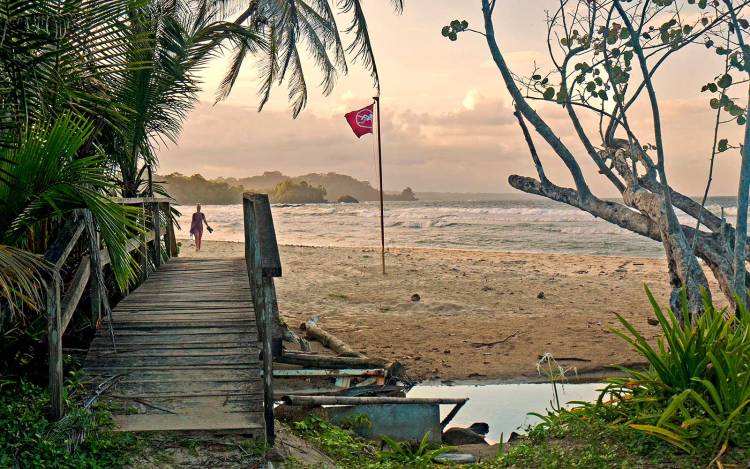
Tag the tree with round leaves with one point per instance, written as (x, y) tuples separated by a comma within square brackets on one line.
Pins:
[(605, 55)]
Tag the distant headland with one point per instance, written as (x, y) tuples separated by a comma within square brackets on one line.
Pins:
[(308, 188)]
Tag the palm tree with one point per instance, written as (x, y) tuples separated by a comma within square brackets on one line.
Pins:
[(42, 181), (160, 86), (57, 57), (287, 25), (88, 87)]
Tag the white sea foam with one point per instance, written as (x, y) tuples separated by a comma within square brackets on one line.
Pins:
[(532, 225)]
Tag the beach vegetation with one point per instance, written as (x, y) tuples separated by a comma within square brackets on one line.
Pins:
[(289, 192), (348, 450), (696, 391), (605, 60), (409, 454), (82, 439), (688, 408)]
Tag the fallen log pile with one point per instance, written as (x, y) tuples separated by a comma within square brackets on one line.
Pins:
[(313, 370)]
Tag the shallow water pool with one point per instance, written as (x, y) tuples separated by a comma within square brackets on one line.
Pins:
[(504, 407)]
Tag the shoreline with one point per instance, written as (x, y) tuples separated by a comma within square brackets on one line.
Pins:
[(422, 248), (482, 316)]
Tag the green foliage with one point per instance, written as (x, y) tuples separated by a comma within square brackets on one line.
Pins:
[(586, 437), (349, 451), (196, 189), (337, 443), (43, 179), (409, 455), (29, 440), (696, 390), (288, 192), (454, 29)]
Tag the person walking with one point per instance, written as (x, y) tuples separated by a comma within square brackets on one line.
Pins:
[(196, 226)]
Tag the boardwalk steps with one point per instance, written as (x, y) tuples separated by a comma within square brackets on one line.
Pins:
[(187, 356)]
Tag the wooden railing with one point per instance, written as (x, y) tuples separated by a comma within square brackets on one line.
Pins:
[(263, 264), (63, 300)]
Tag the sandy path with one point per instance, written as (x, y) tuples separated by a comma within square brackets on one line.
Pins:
[(467, 299)]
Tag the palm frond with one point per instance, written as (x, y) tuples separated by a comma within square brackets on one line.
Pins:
[(49, 180), (361, 46), (22, 276)]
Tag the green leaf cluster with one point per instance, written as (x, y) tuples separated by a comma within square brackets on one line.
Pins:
[(455, 27)]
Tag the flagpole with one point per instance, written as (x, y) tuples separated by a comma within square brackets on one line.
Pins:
[(380, 177)]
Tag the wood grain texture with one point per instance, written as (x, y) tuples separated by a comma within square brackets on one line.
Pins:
[(187, 353)]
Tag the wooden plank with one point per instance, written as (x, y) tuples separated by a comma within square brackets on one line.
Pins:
[(60, 249), (188, 337), (124, 347), (230, 374), (190, 357), (150, 332), (74, 293), (233, 422), (156, 361), (171, 352)]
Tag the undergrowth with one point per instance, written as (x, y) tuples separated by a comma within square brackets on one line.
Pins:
[(81, 440)]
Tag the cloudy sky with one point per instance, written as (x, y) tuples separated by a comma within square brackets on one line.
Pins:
[(447, 119)]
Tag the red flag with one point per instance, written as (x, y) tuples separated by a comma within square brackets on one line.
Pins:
[(361, 120)]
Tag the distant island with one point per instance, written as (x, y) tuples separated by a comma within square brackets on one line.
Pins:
[(308, 188)]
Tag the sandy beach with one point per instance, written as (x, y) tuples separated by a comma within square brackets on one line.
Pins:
[(481, 315)]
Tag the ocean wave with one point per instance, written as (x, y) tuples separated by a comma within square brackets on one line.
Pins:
[(512, 225)]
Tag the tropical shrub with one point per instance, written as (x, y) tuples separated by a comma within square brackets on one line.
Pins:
[(407, 454), (80, 440), (696, 390), (42, 181)]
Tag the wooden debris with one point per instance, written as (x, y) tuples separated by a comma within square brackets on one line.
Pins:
[(328, 340), (327, 361), (490, 344)]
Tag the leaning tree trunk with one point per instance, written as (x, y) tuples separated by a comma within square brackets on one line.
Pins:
[(654, 213)]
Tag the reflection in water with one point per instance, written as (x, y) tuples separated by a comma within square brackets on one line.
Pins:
[(504, 407)]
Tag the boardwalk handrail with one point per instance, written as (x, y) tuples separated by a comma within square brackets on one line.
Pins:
[(263, 264), (62, 302)]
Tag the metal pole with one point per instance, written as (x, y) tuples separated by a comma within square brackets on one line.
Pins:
[(380, 176)]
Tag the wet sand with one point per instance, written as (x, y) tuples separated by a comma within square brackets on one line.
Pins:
[(481, 315)]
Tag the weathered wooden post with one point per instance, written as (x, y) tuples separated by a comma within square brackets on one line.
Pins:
[(156, 217), (170, 233), (95, 285), (263, 263), (164, 207), (54, 340), (144, 243)]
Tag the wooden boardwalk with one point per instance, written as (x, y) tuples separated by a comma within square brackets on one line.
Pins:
[(187, 355)]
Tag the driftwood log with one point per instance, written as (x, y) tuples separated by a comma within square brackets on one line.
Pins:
[(328, 361), (339, 347)]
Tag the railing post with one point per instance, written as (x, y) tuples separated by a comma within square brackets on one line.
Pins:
[(170, 232), (54, 340), (95, 290), (156, 217), (144, 244), (261, 257)]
